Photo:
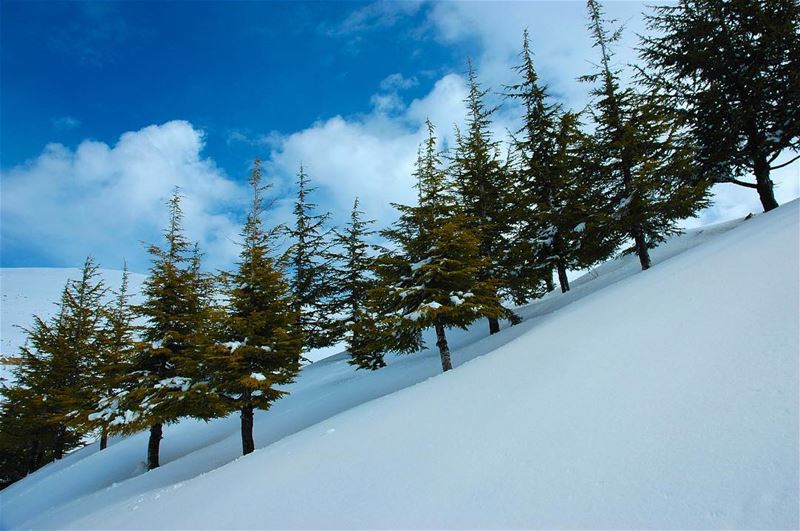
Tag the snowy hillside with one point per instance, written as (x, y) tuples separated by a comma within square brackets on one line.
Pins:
[(664, 399)]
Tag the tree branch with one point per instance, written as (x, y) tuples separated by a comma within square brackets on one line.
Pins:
[(785, 163)]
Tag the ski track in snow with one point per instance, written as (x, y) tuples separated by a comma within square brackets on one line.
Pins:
[(665, 399)]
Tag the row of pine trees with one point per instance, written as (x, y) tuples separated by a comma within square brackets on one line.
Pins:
[(493, 225)]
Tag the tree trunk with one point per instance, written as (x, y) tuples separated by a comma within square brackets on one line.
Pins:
[(104, 438), (444, 350), (494, 325), (61, 441), (548, 282), (562, 277), (34, 460), (247, 430), (153, 445), (641, 247), (764, 184)]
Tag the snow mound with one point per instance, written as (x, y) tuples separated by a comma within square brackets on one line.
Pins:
[(665, 399)]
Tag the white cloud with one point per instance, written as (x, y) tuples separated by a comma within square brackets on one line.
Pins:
[(369, 156), (103, 200), (398, 81)]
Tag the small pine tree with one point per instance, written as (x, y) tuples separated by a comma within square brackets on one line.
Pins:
[(483, 186), (170, 377), (309, 265), (438, 284), (352, 280), (264, 341), (731, 69), (636, 155)]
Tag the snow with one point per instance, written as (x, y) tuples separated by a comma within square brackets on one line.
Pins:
[(658, 399), (258, 376)]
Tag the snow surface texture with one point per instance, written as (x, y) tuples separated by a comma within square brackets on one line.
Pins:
[(663, 399)]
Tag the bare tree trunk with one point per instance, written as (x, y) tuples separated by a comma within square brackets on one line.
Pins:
[(153, 446), (61, 441), (764, 184), (494, 325), (248, 445), (104, 437), (641, 247), (562, 277), (444, 350)]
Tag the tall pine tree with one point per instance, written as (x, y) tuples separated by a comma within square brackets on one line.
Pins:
[(352, 280), (309, 264), (637, 156), (483, 185), (264, 341), (439, 283), (732, 68), (555, 200), (171, 365)]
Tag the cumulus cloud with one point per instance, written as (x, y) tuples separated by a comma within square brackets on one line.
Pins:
[(370, 156), (103, 200)]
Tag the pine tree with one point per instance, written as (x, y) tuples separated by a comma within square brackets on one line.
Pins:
[(110, 371), (732, 68), (352, 279), (642, 166), (438, 284), (309, 264), (483, 186), (170, 377), (557, 225), (264, 340)]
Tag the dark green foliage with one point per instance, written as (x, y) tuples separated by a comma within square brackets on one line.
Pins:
[(732, 68), (352, 279), (264, 342), (437, 269), (558, 223), (53, 389), (171, 365), (483, 182), (637, 157), (309, 264)]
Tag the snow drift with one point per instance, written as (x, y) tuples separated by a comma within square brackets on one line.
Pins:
[(663, 399)]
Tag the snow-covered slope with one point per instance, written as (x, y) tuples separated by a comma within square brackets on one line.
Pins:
[(664, 399)]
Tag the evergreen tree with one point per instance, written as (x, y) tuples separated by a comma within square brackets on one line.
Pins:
[(170, 377), (352, 280), (264, 340), (438, 284), (110, 371), (732, 68), (483, 185), (558, 227), (642, 166), (309, 264)]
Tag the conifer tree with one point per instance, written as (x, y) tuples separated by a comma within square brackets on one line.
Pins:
[(558, 228), (352, 280), (642, 166), (264, 340), (309, 264), (170, 377), (438, 284), (731, 69), (483, 185), (110, 370)]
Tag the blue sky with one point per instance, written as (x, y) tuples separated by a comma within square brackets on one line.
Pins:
[(105, 107)]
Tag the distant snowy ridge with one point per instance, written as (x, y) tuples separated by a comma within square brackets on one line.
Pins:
[(666, 398)]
